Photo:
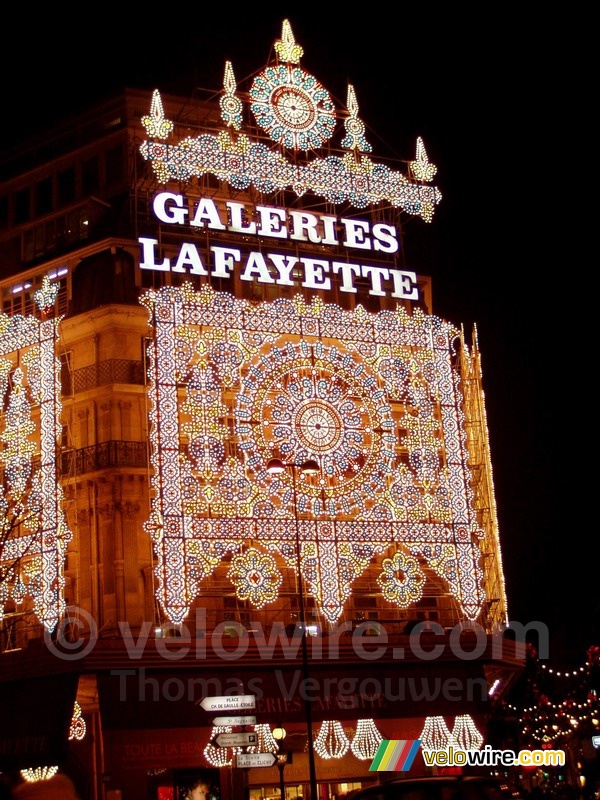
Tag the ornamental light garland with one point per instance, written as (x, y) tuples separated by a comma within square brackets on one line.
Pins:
[(296, 112), (34, 529), (305, 381)]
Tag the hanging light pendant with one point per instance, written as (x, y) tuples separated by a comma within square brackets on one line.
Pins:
[(465, 734), (365, 742), (435, 734), (331, 742), (265, 741)]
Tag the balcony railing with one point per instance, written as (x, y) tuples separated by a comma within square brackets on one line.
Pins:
[(113, 370), (104, 456)]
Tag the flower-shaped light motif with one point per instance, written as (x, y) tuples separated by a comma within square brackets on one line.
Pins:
[(255, 577), (402, 579)]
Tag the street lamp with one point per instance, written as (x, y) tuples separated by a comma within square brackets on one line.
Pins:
[(279, 735), (310, 467)]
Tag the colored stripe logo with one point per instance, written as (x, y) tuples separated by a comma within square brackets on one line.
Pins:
[(395, 755)]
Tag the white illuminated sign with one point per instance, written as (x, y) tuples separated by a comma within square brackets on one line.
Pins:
[(273, 267)]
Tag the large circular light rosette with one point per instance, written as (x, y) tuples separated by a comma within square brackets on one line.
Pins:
[(309, 401), (292, 107)]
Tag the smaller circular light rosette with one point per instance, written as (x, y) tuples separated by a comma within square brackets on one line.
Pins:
[(255, 577), (401, 580), (292, 107)]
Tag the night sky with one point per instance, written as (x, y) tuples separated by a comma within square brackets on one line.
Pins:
[(508, 248)]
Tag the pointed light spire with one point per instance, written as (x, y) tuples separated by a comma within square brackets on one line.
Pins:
[(421, 168), (286, 48), (231, 106), (157, 127), (355, 127)]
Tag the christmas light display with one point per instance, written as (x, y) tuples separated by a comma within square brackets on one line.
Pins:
[(373, 398), (220, 756), (559, 702), (295, 110), (331, 741), (355, 128), (35, 774), (421, 168), (78, 727), (34, 531), (255, 576), (45, 296), (465, 734), (231, 106), (266, 742), (435, 734), (366, 740), (402, 579)]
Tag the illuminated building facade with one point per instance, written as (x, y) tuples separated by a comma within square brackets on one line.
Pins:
[(192, 290)]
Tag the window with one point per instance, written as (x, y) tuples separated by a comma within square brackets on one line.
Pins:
[(22, 210), (66, 186), (114, 164), (3, 211), (43, 197), (66, 368), (90, 175)]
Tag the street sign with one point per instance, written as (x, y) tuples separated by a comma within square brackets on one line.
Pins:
[(255, 760), (230, 702), (236, 739), (234, 720)]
